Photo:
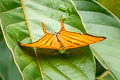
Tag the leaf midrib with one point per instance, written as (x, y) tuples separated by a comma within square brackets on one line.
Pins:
[(28, 26)]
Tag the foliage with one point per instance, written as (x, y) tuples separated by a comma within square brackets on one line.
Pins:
[(112, 5), (99, 21), (8, 70), (21, 22)]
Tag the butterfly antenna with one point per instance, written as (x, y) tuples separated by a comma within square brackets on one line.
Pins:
[(44, 29), (62, 24)]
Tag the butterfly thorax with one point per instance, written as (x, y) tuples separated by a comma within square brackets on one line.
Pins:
[(56, 34), (61, 47)]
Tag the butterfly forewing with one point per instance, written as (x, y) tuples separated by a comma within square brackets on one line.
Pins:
[(47, 41), (73, 39)]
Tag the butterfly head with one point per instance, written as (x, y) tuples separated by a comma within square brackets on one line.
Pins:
[(56, 34)]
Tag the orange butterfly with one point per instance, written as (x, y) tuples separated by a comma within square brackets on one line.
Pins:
[(63, 39)]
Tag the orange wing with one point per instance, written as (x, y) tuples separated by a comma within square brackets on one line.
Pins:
[(64, 39), (73, 39), (47, 41)]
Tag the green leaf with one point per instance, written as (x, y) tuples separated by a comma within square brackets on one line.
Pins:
[(36, 64), (8, 70), (112, 5), (99, 21)]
